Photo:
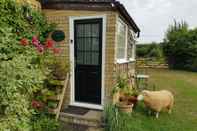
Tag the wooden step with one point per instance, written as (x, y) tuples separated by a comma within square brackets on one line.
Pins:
[(55, 98), (90, 119), (57, 83), (53, 111)]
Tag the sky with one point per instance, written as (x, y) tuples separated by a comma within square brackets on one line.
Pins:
[(154, 16)]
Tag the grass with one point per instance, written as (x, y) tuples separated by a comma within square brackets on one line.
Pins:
[(184, 115)]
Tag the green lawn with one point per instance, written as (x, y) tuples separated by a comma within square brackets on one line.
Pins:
[(184, 115)]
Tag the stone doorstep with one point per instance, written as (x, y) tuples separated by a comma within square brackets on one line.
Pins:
[(91, 118)]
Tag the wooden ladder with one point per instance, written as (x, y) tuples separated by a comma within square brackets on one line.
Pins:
[(59, 98)]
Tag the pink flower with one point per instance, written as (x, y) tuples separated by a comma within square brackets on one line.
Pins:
[(49, 44), (35, 41), (24, 41), (40, 48)]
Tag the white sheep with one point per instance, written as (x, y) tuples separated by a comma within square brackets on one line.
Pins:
[(157, 100)]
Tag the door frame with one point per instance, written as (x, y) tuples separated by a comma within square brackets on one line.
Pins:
[(72, 61)]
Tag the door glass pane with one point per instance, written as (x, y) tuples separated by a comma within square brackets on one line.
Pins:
[(87, 59), (88, 44), (80, 30), (80, 44), (95, 44), (87, 30), (95, 30), (95, 58), (80, 58)]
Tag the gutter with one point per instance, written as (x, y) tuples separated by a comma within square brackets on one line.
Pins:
[(120, 7)]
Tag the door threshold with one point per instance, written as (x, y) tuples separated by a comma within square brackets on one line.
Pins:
[(87, 105)]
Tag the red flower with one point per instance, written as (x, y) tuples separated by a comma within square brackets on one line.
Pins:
[(35, 41), (56, 50), (40, 48), (36, 104), (49, 44), (24, 41)]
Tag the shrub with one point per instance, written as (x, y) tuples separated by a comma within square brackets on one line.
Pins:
[(180, 47), (43, 122), (22, 72)]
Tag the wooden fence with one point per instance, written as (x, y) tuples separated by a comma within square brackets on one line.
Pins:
[(151, 63)]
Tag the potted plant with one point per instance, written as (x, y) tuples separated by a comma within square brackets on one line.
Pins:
[(124, 95)]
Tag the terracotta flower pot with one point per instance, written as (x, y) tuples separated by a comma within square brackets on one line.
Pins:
[(125, 107), (132, 100)]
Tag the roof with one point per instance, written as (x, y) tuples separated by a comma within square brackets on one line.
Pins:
[(99, 5)]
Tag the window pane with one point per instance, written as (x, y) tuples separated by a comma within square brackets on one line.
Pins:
[(131, 45), (121, 42), (121, 53)]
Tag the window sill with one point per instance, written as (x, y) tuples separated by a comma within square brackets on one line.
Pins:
[(132, 60), (123, 61)]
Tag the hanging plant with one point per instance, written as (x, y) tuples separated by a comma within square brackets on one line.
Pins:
[(58, 35)]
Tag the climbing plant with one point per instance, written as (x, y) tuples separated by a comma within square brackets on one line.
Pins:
[(23, 50)]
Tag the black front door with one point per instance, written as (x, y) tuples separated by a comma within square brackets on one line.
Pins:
[(88, 60)]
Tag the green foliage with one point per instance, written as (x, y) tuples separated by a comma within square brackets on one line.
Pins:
[(152, 50), (43, 122), (22, 72), (115, 120), (59, 68), (180, 47), (121, 84), (124, 86), (19, 79)]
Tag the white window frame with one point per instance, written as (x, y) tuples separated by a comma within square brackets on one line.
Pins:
[(122, 60)]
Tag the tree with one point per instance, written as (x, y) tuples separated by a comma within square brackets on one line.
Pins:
[(151, 50), (180, 46)]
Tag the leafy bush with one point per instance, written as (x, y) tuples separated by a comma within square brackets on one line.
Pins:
[(22, 72), (43, 122), (180, 47)]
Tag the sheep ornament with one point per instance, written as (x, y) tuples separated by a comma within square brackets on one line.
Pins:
[(157, 100)]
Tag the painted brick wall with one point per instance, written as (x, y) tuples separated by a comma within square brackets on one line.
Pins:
[(61, 18)]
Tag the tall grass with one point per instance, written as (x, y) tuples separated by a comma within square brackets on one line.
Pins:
[(115, 120)]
